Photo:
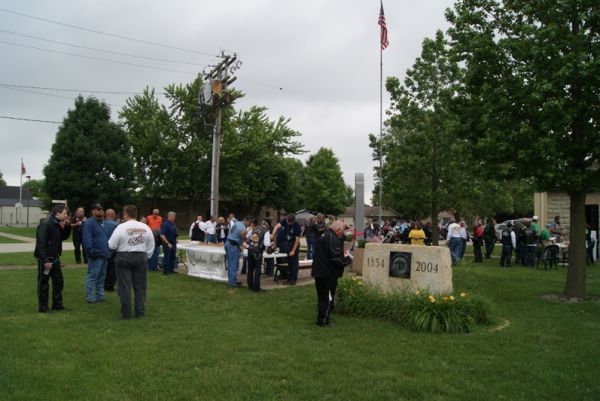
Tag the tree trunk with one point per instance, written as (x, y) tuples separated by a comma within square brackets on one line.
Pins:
[(575, 285)]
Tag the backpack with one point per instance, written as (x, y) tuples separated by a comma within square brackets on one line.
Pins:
[(255, 242)]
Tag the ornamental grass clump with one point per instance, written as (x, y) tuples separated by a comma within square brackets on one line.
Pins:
[(419, 311)]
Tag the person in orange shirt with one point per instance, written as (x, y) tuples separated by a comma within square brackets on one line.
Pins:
[(154, 221)]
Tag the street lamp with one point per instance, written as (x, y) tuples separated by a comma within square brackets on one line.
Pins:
[(28, 187)]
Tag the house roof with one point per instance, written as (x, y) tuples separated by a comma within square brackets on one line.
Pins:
[(9, 196)]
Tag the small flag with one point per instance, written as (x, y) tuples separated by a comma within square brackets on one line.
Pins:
[(384, 33), (23, 170), (376, 239)]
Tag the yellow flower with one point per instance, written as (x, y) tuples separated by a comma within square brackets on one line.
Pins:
[(360, 283), (445, 298), (451, 298), (418, 293), (432, 300), (462, 294)]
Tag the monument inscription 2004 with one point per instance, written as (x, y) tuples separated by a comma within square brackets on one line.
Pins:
[(393, 267)]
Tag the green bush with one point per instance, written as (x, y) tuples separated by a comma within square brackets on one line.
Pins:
[(420, 311)]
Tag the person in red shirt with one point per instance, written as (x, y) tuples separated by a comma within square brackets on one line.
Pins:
[(477, 242), (154, 221)]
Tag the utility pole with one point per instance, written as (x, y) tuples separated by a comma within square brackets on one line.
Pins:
[(214, 97)]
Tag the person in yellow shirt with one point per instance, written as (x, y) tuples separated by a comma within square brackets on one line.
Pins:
[(416, 235)]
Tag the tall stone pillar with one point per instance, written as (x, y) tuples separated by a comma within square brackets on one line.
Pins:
[(359, 208)]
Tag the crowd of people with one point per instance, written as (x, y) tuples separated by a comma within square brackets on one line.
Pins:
[(122, 251)]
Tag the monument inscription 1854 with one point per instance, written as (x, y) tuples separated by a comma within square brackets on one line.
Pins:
[(394, 267)]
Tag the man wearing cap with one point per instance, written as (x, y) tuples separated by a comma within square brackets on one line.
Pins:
[(509, 242), (534, 225), (95, 243), (134, 243)]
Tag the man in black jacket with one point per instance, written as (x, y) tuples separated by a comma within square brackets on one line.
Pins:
[(328, 265), (48, 245)]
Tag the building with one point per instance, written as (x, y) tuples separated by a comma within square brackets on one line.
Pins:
[(371, 212), (29, 214), (549, 204)]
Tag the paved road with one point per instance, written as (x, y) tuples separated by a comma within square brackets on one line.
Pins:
[(28, 244)]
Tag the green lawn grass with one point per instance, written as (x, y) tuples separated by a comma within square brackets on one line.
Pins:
[(201, 341), (6, 240), (24, 231), (27, 259)]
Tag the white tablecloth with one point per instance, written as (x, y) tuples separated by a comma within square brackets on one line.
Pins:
[(206, 261)]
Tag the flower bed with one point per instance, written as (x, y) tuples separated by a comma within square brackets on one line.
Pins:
[(419, 311)]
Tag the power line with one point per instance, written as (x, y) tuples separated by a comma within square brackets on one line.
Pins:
[(103, 50), (30, 119), (75, 90), (48, 94), (106, 33), (96, 58)]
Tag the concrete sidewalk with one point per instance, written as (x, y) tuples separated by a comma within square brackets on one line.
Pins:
[(17, 237)]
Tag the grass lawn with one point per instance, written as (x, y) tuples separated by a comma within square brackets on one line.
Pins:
[(26, 258), (201, 341), (24, 231), (6, 240)]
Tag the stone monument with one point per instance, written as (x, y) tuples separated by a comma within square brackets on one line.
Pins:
[(396, 267)]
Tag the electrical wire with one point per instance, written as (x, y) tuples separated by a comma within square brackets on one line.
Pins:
[(30, 119), (96, 58), (75, 90), (49, 94), (102, 50), (106, 33)]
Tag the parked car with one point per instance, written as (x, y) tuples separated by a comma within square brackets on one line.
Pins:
[(502, 226)]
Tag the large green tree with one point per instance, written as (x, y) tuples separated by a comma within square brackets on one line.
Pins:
[(90, 158), (170, 145), (253, 148), (324, 188), (531, 98), (426, 166), (2, 182), (172, 148)]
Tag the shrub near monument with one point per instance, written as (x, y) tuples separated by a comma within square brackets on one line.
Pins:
[(411, 285)]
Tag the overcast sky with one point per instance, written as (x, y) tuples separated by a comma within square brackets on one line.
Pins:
[(323, 54)]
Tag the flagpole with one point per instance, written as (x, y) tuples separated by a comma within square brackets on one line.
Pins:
[(380, 132), (20, 191)]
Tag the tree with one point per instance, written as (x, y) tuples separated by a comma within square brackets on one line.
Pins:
[(36, 190), (324, 187), (2, 182), (425, 170), (170, 147), (253, 150), (172, 150), (90, 158), (530, 98)]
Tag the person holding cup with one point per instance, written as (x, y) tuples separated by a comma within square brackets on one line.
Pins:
[(51, 232)]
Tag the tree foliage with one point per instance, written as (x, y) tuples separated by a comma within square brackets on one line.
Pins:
[(324, 187), (90, 158), (426, 166), (2, 182), (172, 150), (530, 97)]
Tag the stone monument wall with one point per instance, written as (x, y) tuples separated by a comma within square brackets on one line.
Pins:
[(394, 267)]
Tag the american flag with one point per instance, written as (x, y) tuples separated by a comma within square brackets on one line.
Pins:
[(384, 33), (23, 170), (375, 239)]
